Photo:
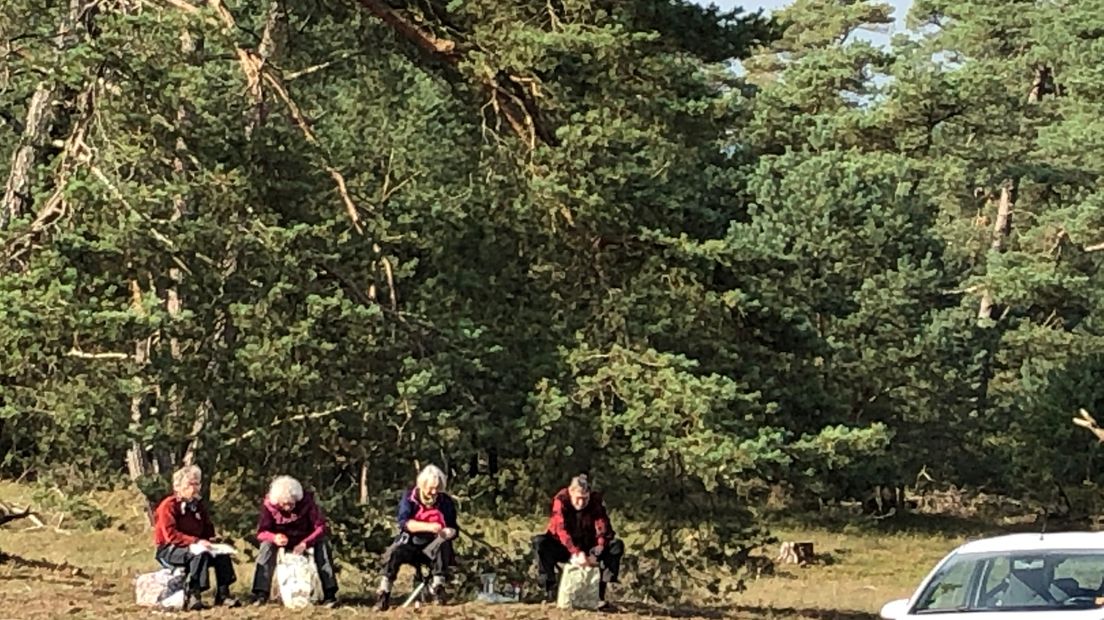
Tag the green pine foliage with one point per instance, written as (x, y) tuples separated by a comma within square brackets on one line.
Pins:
[(702, 255)]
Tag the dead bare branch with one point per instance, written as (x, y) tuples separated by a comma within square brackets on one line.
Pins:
[(518, 107), (1087, 421), (295, 418), (419, 36), (111, 355), (254, 69)]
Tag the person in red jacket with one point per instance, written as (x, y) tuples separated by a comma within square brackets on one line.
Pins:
[(579, 532), (290, 519), (183, 533)]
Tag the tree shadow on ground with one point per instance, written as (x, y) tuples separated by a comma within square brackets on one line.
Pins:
[(677, 611), (22, 569), (908, 523), (64, 568), (752, 611), (743, 611)]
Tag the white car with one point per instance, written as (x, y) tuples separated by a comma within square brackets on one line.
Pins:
[(1020, 576)]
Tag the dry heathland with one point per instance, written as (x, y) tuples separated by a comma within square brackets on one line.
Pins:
[(50, 572)]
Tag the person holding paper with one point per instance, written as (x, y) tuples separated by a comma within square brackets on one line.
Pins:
[(183, 533), (579, 532), (427, 527), (291, 519)]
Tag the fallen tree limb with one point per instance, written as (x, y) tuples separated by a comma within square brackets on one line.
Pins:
[(10, 513)]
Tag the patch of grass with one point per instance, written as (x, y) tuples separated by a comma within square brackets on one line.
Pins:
[(79, 572)]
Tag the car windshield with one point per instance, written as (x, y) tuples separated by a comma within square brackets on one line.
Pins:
[(1016, 581)]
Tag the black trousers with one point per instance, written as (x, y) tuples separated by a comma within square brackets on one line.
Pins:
[(197, 565), (411, 549), (550, 552), (265, 568)]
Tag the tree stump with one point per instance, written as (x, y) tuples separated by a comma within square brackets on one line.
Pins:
[(800, 553)]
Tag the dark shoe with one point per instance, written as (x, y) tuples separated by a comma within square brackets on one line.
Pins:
[(550, 595), (438, 595), (329, 602), (607, 607), (223, 598), (383, 601), (192, 602)]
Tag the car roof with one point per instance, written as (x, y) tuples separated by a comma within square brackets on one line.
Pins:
[(1078, 541)]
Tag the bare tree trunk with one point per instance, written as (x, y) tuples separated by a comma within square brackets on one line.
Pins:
[(272, 44), (1002, 228), (138, 462), (1041, 85), (189, 46), (36, 130), (363, 483), (203, 412)]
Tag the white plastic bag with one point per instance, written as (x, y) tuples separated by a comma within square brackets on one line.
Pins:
[(579, 587), (163, 588), (297, 579)]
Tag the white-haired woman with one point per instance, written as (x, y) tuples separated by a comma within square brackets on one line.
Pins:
[(290, 519), (182, 525), (427, 526)]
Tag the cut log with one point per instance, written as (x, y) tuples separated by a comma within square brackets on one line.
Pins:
[(800, 553)]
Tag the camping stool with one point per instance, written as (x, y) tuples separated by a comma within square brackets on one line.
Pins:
[(421, 582)]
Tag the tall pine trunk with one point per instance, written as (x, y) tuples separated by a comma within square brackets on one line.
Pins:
[(40, 120)]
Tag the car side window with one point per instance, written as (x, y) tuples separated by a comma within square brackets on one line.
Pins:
[(1079, 575), (996, 574), (951, 592)]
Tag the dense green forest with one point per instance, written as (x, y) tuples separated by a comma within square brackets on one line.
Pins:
[(706, 256)]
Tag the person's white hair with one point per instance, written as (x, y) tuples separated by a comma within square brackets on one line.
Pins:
[(285, 489), (432, 473), (186, 475)]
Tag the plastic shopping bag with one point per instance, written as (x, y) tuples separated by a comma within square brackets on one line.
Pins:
[(163, 588), (579, 587), (297, 579)]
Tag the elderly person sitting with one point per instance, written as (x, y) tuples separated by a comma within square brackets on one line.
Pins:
[(290, 519), (579, 532), (183, 533), (427, 526)]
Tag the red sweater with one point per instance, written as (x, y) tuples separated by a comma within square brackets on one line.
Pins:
[(180, 523)]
